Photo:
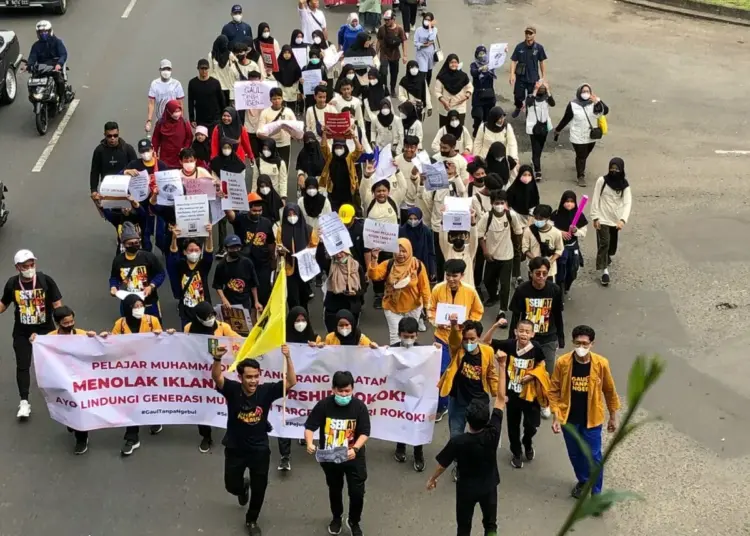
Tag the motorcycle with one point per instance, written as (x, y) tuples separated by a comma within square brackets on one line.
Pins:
[(43, 96)]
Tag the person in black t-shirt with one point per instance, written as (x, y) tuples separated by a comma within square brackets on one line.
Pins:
[(246, 441), (527, 387), (475, 454), (188, 273), (235, 279), (205, 98), (344, 424), (35, 295)]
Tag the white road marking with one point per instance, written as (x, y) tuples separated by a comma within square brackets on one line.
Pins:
[(55, 137), (718, 151), (131, 5)]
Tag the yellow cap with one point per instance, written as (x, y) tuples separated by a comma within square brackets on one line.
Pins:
[(346, 213)]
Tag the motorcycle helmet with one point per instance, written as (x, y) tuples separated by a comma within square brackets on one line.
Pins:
[(43, 29)]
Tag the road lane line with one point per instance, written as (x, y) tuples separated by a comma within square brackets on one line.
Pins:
[(55, 137), (131, 5), (718, 151)]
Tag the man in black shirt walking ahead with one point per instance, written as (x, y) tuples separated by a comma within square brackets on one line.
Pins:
[(475, 454), (246, 441), (344, 425), (205, 99)]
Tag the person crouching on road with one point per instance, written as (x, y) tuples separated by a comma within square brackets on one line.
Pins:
[(246, 440), (344, 424)]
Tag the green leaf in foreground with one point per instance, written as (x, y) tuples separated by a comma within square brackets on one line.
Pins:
[(596, 505)]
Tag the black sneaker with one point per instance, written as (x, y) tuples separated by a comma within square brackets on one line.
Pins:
[(515, 113), (605, 280), (253, 529), (419, 463), (400, 455), (491, 303), (538, 177), (440, 414), (530, 453), (519, 281), (516, 462), (81, 447), (377, 303), (284, 464), (500, 316), (354, 528), (156, 429), (334, 527), (245, 497), (205, 445), (577, 490), (129, 447)]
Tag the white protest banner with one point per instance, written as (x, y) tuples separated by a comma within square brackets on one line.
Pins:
[(169, 183), (308, 266), (114, 191), (457, 215), (386, 168), (331, 57), (215, 210), (139, 186), (301, 55), (203, 185), (143, 379), (295, 128), (122, 294), (379, 235), (436, 176), (310, 80), (334, 234), (236, 316), (359, 62), (235, 191), (422, 159), (253, 95), (497, 54), (444, 311), (191, 214)]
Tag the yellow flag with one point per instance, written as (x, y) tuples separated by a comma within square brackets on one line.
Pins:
[(270, 330)]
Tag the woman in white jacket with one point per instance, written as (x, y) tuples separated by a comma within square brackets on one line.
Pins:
[(464, 142), (610, 210), (413, 88), (496, 128), (387, 128), (538, 123)]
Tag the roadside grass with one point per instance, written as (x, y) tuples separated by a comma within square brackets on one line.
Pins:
[(739, 4)]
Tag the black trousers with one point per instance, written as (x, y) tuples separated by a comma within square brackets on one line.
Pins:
[(537, 146), (465, 503), (391, 66), (355, 473), (418, 449), (443, 119), (439, 259), (428, 77), (22, 349), (286, 156), (606, 245), (583, 150), (409, 15), (236, 461), (480, 114), (478, 269), (298, 292), (205, 431), (517, 254), (498, 274), (521, 90), (531, 414), (285, 447), (264, 282), (80, 436), (378, 287)]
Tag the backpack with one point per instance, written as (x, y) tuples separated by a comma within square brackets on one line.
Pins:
[(545, 249), (492, 214)]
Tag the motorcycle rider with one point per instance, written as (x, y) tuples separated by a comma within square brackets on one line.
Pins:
[(50, 50)]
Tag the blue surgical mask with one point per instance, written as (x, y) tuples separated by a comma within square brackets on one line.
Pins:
[(342, 400), (414, 223), (470, 346), (540, 224)]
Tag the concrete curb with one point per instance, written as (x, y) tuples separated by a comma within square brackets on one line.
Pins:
[(697, 10)]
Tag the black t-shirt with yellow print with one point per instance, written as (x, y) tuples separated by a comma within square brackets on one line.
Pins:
[(247, 415), (33, 301), (467, 384), (579, 393)]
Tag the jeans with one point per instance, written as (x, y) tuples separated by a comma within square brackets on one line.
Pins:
[(549, 349), (537, 146), (465, 503), (370, 21), (456, 416), (391, 66), (22, 349), (515, 410), (583, 150), (499, 273), (236, 461), (521, 90), (355, 473), (392, 319), (606, 245), (445, 360), (593, 438)]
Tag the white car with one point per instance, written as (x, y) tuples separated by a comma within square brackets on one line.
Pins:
[(10, 59), (58, 7)]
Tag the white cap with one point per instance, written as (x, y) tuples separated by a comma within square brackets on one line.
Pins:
[(388, 14), (22, 256), (165, 64)]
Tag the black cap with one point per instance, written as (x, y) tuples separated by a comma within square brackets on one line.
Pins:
[(236, 8), (232, 240), (144, 145)]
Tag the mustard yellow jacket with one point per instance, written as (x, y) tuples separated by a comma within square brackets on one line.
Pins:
[(465, 296), (489, 374)]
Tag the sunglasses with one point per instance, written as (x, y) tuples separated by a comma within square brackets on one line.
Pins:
[(527, 32), (112, 136)]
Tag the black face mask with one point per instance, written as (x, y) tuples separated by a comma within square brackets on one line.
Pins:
[(479, 183), (459, 242), (233, 255), (253, 217), (69, 329), (446, 154), (132, 249)]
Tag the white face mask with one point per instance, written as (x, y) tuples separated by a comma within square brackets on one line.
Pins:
[(403, 283), (298, 40), (193, 257), (350, 76), (414, 71), (498, 208), (312, 192), (581, 352), (138, 313), (300, 326), (292, 219), (316, 40), (166, 75), (237, 18), (265, 190), (455, 123), (426, 23), (189, 167), (226, 152), (345, 332), (266, 153), (402, 115), (148, 155), (266, 35), (29, 274), (385, 111), (407, 343), (338, 152), (208, 323), (585, 95)]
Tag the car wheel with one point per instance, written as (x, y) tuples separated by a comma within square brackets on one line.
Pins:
[(10, 90), (60, 8)]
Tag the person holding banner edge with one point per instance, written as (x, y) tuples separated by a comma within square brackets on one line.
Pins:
[(245, 443)]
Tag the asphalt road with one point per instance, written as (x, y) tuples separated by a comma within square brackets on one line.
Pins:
[(677, 93)]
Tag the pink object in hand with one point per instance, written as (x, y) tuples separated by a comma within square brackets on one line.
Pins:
[(581, 206)]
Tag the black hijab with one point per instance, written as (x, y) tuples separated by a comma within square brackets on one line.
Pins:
[(410, 111), (416, 86), (231, 163), (220, 51), (353, 338), (203, 311), (339, 168), (270, 144), (563, 218), (323, 43), (499, 162), (523, 197), (356, 86), (385, 120), (617, 180), (313, 205), (294, 237), (310, 158), (453, 81), (272, 202), (459, 130), (493, 117), (292, 335), (134, 324), (295, 35), (233, 130), (202, 150), (260, 39), (376, 93), (289, 72), (358, 48)]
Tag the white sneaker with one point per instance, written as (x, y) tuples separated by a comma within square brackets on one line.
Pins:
[(546, 413), (24, 410), (422, 327)]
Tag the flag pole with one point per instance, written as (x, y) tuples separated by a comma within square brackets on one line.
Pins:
[(282, 266)]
